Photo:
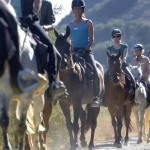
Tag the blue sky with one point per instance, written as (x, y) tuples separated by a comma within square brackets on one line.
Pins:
[(66, 8)]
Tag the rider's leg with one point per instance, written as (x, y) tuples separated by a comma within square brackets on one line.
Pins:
[(130, 82), (54, 56), (89, 57)]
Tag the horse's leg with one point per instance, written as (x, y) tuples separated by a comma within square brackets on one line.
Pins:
[(141, 119), (148, 140), (94, 114), (14, 120), (37, 108), (22, 109), (46, 113), (77, 108), (119, 136), (83, 119), (136, 119), (4, 103), (114, 123), (66, 110), (128, 110)]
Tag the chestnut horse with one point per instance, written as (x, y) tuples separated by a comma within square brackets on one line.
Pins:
[(115, 96), (80, 88)]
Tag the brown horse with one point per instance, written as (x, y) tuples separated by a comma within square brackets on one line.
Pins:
[(115, 96), (80, 92)]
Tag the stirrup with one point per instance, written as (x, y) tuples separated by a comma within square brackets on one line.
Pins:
[(96, 102)]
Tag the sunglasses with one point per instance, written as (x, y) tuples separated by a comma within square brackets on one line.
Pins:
[(117, 36)]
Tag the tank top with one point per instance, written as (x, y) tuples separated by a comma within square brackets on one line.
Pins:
[(79, 34), (113, 50)]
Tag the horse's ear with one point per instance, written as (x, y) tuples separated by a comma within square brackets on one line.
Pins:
[(108, 53), (119, 54), (56, 33), (67, 32)]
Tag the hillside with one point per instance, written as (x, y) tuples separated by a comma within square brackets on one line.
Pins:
[(131, 16)]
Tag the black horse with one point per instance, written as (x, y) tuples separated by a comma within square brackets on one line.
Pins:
[(79, 86)]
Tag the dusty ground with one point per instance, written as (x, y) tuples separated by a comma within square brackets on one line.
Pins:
[(103, 136)]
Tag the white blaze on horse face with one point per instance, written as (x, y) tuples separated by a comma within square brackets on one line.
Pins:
[(114, 62)]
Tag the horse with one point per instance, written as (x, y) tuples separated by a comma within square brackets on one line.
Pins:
[(80, 90), (141, 98), (24, 57), (11, 72), (116, 98), (146, 136)]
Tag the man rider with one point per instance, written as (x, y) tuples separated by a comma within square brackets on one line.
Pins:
[(28, 14)]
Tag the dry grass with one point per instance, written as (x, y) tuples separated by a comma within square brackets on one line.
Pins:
[(59, 139)]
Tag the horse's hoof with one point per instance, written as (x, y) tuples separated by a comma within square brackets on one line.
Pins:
[(139, 141), (126, 143), (43, 147), (74, 146), (83, 143), (118, 145), (91, 147)]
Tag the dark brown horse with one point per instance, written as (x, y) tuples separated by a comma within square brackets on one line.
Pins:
[(80, 92), (115, 96)]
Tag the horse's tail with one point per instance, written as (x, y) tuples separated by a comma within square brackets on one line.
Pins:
[(127, 120), (88, 118)]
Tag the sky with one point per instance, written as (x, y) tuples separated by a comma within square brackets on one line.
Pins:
[(66, 4)]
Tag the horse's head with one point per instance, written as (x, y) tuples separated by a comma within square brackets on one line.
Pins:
[(115, 63), (63, 45), (137, 73)]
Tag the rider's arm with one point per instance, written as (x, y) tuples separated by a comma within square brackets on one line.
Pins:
[(125, 54), (146, 73), (90, 34), (37, 6)]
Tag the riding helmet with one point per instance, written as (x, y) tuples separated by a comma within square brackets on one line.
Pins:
[(116, 31), (138, 47), (78, 3)]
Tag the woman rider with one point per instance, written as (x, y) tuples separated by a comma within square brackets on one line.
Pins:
[(114, 49), (82, 37), (145, 66)]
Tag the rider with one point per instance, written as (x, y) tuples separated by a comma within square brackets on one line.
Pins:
[(28, 13), (145, 65), (114, 49), (82, 37)]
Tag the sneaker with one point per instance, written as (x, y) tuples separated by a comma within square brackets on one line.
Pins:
[(96, 102)]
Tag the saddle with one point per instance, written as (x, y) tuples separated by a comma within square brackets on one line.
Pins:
[(87, 69)]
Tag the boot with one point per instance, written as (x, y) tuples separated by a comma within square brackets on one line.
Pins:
[(131, 96), (96, 102), (59, 90)]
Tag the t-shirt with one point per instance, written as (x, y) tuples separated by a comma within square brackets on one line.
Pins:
[(113, 50), (145, 65)]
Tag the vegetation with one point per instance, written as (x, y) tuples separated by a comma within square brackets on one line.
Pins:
[(132, 17)]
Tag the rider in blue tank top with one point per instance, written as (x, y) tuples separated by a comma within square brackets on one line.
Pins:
[(77, 31), (82, 36)]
